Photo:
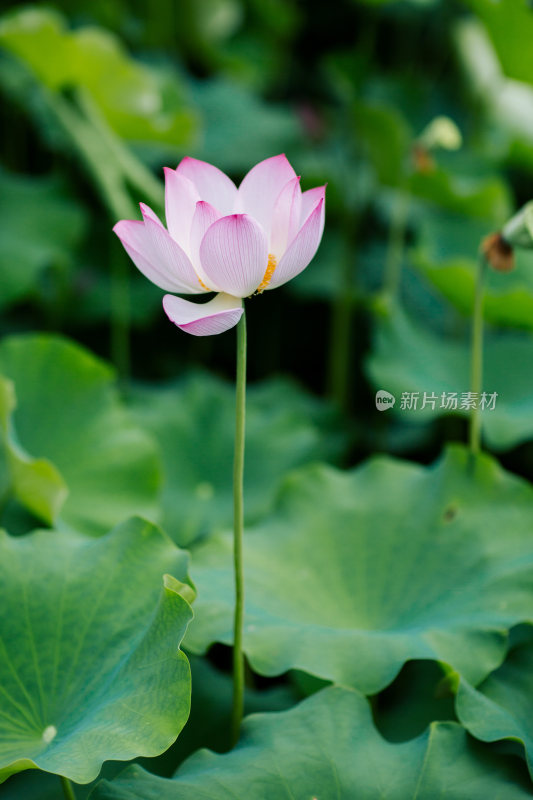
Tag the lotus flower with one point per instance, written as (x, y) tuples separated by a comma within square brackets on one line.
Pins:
[(236, 242)]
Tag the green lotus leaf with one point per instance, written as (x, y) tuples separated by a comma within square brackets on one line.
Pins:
[(502, 706), (35, 483), (423, 692), (207, 726), (355, 573), (69, 414), (91, 668), (483, 198), (409, 357), (446, 256), (385, 138), (39, 227), (328, 747), (139, 103), (194, 422)]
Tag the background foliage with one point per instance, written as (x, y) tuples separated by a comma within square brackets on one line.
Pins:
[(408, 581)]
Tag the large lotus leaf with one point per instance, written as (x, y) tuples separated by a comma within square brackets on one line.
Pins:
[(138, 102), (502, 706), (355, 573), (207, 726), (91, 668), (209, 721), (68, 413), (446, 255), (194, 422), (39, 228), (325, 748), (35, 483), (409, 357)]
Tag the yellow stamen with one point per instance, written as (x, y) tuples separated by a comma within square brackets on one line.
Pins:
[(202, 284), (267, 277)]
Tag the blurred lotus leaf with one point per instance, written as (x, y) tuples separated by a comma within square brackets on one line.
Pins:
[(139, 103), (408, 356), (446, 256), (508, 102), (35, 483), (193, 421), (40, 225), (509, 24), (228, 142), (480, 196), (501, 707), (68, 413), (385, 136)]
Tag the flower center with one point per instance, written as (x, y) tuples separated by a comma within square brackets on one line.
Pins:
[(202, 284), (267, 277)]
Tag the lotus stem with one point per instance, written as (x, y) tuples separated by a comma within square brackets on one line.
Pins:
[(396, 243), (109, 180), (68, 789), (238, 526), (476, 364)]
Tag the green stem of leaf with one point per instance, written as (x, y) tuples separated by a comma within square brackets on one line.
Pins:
[(68, 789), (109, 181), (396, 244), (238, 525), (135, 172), (476, 364)]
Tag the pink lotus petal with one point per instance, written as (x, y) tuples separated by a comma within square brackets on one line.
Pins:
[(310, 200), (156, 254), (286, 217), (234, 254), (181, 197), (146, 211), (212, 184), (261, 188), (204, 319), (302, 249), (171, 258), (204, 216)]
